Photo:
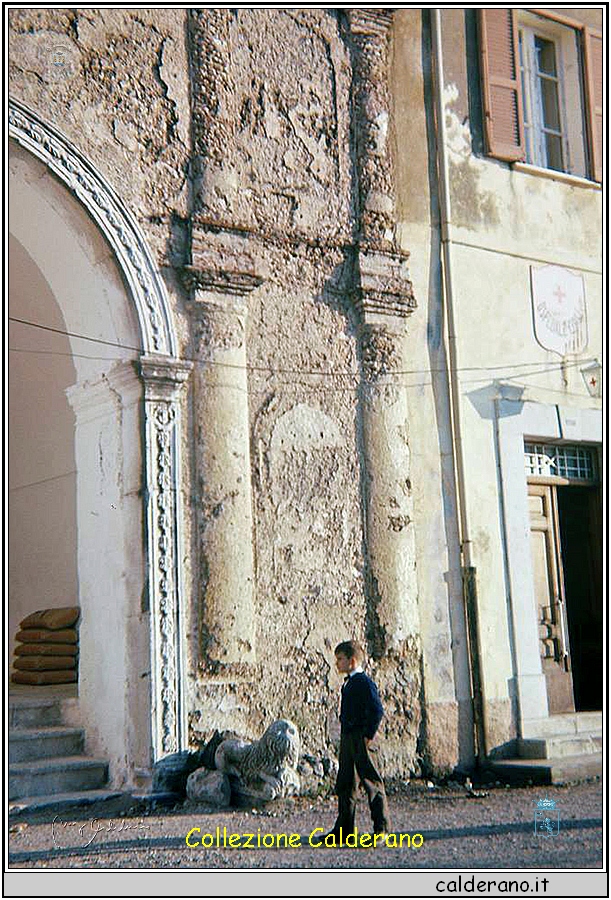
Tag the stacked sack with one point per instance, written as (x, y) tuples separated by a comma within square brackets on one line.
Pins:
[(47, 647)]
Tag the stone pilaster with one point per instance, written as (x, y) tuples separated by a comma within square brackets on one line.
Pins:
[(392, 589), (214, 115), (370, 31), (384, 300), (219, 281), (164, 379)]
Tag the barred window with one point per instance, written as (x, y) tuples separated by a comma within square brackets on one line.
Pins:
[(564, 461)]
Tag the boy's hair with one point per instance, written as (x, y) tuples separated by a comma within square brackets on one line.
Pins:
[(350, 649)]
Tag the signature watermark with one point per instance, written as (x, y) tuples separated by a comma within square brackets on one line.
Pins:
[(63, 831), (547, 818)]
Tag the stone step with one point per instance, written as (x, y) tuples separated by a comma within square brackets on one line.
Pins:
[(66, 800), (56, 775), (556, 746), (27, 744), (560, 770), (26, 712), (566, 723)]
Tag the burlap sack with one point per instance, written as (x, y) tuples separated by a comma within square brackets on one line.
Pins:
[(44, 662), (65, 676), (52, 618), (34, 635), (46, 650)]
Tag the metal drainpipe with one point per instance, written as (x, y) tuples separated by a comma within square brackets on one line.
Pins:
[(468, 570)]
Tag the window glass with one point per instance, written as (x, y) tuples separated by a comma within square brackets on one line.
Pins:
[(550, 72)]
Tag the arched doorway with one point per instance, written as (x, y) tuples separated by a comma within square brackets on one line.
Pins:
[(89, 298)]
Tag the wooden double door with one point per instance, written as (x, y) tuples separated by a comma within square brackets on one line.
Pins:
[(566, 543)]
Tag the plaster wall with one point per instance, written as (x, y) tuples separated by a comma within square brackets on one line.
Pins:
[(504, 220), (447, 691), (42, 470)]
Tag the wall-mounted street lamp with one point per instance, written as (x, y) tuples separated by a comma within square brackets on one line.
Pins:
[(592, 375)]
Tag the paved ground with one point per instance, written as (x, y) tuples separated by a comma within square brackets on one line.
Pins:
[(481, 829)]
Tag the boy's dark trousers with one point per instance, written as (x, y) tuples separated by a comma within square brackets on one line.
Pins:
[(354, 754)]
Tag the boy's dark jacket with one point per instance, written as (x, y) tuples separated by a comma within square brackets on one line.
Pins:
[(361, 708)]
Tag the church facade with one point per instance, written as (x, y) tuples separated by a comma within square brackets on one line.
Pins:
[(302, 347)]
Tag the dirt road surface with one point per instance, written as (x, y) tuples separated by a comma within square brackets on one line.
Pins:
[(489, 828)]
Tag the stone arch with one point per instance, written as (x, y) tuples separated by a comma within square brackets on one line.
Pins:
[(153, 398)]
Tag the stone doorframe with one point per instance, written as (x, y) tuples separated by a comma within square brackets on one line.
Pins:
[(517, 420), (163, 375)]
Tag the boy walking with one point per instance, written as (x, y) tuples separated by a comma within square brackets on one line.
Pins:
[(360, 715)]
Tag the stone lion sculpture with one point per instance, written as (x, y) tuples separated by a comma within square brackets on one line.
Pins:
[(265, 769)]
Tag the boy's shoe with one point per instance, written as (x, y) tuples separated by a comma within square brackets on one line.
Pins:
[(380, 838)]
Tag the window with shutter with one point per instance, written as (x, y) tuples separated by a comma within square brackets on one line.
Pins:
[(542, 90), (503, 122), (593, 48)]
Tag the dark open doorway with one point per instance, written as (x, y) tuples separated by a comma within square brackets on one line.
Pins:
[(579, 514)]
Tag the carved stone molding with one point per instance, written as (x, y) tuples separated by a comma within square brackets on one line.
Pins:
[(117, 223), (218, 280), (384, 285), (223, 274), (163, 381), (163, 377), (223, 261)]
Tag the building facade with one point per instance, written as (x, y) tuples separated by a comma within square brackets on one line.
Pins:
[(285, 318)]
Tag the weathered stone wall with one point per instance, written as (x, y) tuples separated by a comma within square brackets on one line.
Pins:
[(121, 95), (218, 125), (275, 162)]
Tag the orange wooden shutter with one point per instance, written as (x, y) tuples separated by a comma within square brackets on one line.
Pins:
[(502, 95), (593, 52)]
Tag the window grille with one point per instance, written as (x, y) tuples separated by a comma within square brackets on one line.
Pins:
[(564, 461)]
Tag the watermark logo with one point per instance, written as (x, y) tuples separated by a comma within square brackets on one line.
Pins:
[(59, 61), (547, 818)]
